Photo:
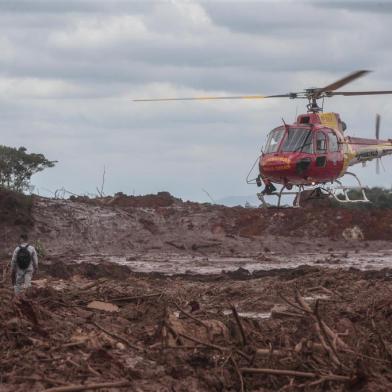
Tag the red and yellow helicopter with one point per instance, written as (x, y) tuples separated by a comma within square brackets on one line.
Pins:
[(314, 152)]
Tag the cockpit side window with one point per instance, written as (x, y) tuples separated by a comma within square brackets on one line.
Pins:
[(274, 139), (333, 142), (321, 142)]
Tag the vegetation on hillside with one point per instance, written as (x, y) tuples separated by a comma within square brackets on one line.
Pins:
[(379, 197)]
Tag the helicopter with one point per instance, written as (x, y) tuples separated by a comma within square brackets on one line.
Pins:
[(310, 156)]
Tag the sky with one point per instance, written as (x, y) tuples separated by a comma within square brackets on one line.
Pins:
[(69, 71)]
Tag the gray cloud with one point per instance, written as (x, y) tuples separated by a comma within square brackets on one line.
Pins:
[(74, 6), (365, 6), (69, 70)]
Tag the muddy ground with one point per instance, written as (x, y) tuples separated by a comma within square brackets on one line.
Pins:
[(154, 294), (121, 224)]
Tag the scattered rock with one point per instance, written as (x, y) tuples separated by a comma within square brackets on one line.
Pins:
[(353, 233)]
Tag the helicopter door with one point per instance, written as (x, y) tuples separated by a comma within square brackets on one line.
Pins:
[(329, 159), (321, 149), (320, 163), (335, 156)]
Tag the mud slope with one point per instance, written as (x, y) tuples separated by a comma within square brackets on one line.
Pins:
[(122, 224)]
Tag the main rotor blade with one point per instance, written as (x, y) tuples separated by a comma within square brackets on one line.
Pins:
[(341, 82), (213, 98), (358, 93)]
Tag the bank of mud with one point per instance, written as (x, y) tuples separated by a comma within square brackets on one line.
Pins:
[(124, 224)]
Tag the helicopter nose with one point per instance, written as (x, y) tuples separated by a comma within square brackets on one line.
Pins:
[(277, 163)]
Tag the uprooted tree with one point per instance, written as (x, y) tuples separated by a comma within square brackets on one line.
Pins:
[(17, 166)]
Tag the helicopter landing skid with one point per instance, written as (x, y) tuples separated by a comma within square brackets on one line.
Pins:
[(264, 204), (344, 189), (319, 192)]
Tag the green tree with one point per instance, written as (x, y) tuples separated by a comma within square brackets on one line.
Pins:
[(17, 167), (380, 197)]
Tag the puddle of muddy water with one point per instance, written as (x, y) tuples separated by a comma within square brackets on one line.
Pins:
[(173, 264), (267, 315)]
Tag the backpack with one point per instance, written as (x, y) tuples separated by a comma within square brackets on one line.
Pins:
[(23, 258)]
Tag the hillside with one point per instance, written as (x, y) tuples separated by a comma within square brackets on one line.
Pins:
[(120, 224)]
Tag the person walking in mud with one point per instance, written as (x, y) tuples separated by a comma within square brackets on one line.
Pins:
[(24, 264)]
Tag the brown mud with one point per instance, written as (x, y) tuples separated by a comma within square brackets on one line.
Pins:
[(123, 224), (181, 333), (156, 294)]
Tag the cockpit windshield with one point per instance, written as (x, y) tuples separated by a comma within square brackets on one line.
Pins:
[(274, 139), (298, 139)]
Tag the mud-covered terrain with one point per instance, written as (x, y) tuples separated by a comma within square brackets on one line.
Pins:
[(160, 229), (303, 329), (155, 294)]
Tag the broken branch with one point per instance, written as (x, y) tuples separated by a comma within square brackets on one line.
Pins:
[(135, 298), (117, 337), (200, 322), (241, 328), (294, 373), (78, 388), (213, 346)]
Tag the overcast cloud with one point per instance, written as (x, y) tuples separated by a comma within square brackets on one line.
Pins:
[(70, 69)]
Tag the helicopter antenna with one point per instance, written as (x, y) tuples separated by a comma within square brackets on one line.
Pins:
[(284, 122)]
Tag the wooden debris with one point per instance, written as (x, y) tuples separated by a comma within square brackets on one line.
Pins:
[(105, 306), (117, 337), (294, 373), (73, 348), (240, 327), (135, 298), (78, 388)]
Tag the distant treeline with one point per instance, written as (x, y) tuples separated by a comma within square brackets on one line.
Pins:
[(379, 197)]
